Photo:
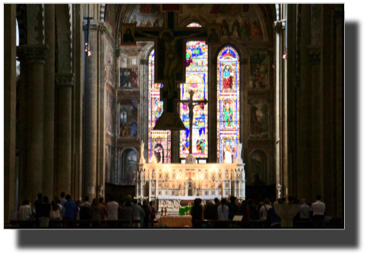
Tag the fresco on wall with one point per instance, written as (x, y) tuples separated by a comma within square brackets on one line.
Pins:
[(110, 18), (239, 21), (258, 168), (110, 163), (129, 167), (125, 78), (259, 119), (259, 70), (147, 15), (133, 78), (128, 118), (109, 63), (110, 108)]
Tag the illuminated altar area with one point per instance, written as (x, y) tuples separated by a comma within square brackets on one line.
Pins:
[(169, 184)]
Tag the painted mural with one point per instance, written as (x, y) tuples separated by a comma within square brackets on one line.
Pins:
[(128, 118), (239, 21), (109, 63), (128, 167), (110, 18), (259, 70), (147, 15), (259, 119), (258, 167), (110, 108), (110, 162)]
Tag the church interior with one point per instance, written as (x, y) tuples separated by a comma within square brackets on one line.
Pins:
[(172, 102)]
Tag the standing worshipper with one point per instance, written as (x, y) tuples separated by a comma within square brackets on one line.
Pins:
[(25, 212), (70, 208), (127, 213), (264, 209), (197, 213), (101, 203), (96, 213), (85, 209), (37, 206), (223, 210), (55, 212), (112, 209), (147, 210), (152, 214), (233, 208), (318, 212), (45, 209)]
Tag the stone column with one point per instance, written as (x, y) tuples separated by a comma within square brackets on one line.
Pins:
[(339, 31), (314, 55), (9, 109), (91, 116), (78, 56), (49, 103), (303, 101), (35, 57), (64, 83), (278, 67)]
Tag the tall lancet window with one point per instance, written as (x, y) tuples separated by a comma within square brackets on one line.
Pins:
[(228, 123), (196, 77), (159, 144)]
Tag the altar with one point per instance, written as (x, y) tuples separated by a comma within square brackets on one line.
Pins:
[(168, 184)]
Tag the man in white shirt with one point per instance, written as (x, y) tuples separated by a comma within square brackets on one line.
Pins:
[(25, 211), (112, 209), (318, 210), (304, 209), (264, 209)]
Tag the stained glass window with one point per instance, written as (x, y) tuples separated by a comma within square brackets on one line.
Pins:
[(194, 25), (228, 76), (197, 81), (159, 147)]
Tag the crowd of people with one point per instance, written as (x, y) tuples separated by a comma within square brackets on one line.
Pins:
[(309, 215), (142, 215), (43, 211)]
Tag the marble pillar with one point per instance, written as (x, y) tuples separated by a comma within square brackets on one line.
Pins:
[(49, 103), (91, 116), (9, 110), (64, 84), (78, 56), (35, 57)]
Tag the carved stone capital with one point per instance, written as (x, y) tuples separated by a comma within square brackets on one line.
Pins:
[(32, 53), (314, 55), (64, 79), (102, 27), (279, 26)]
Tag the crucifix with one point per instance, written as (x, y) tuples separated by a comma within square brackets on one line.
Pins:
[(191, 105), (169, 65)]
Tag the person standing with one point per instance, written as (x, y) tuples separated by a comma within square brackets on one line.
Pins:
[(318, 212), (147, 210), (223, 210), (45, 209), (70, 208), (112, 209), (197, 213), (37, 206), (25, 212)]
